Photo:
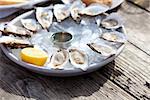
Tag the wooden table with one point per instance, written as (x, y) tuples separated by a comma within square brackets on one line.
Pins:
[(126, 78)]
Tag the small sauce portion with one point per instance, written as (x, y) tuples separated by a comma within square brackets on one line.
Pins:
[(62, 37)]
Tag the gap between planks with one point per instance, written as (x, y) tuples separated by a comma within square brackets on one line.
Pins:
[(137, 25), (131, 72), (143, 5)]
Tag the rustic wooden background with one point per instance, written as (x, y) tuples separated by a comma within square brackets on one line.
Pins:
[(126, 78)]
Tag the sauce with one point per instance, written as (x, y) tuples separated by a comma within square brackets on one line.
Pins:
[(62, 37)]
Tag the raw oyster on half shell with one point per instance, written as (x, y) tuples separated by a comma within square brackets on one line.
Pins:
[(78, 58), (61, 11), (112, 21), (114, 37), (102, 49), (59, 59), (31, 24), (16, 30), (14, 42), (75, 9), (44, 16), (68, 1)]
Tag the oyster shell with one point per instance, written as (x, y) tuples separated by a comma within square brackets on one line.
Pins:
[(68, 1), (98, 20), (78, 58), (114, 37), (94, 9), (61, 12), (14, 42), (75, 9), (31, 24), (16, 30), (44, 16), (102, 49), (112, 21), (59, 59)]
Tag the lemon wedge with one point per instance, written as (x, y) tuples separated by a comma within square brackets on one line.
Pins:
[(34, 56)]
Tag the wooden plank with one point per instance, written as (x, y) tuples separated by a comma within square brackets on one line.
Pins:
[(145, 4), (18, 83), (131, 72), (137, 24)]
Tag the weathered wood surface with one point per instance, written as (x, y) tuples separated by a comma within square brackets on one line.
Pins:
[(137, 24), (144, 4), (20, 84), (127, 78), (131, 72)]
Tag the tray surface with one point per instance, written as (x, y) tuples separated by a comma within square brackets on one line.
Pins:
[(84, 32)]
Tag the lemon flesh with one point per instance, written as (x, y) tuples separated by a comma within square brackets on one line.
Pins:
[(34, 56)]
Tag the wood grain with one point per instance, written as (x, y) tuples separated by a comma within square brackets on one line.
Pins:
[(131, 72), (137, 24), (19, 84), (144, 4)]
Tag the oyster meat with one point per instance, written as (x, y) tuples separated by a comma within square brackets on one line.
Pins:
[(79, 59), (31, 24), (109, 23), (16, 30), (59, 59), (44, 16), (103, 49), (75, 9), (94, 9), (114, 37), (112, 21), (14, 42), (61, 11)]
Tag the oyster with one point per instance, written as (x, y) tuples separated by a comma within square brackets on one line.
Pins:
[(16, 30), (61, 12), (68, 1), (14, 42), (44, 16), (94, 9), (79, 59), (59, 59), (31, 24), (112, 21), (103, 49), (114, 37), (75, 9)]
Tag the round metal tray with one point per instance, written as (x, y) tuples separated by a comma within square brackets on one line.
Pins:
[(54, 72), (116, 3)]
